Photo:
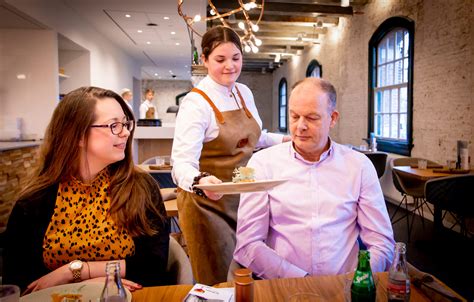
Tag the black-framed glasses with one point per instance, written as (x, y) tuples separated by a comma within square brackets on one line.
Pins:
[(117, 127)]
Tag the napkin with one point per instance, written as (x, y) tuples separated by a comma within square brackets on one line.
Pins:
[(430, 286)]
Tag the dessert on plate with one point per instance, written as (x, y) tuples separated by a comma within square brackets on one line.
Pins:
[(243, 174)]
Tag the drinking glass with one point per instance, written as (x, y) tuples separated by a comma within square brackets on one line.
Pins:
[(9, 293), (159, 161), (422, 164), (303, 297)]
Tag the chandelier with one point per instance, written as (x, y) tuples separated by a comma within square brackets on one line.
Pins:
[(249, 40)]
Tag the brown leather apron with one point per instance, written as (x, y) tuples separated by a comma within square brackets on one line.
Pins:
[(209, 226)]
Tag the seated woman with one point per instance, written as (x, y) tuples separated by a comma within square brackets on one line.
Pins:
[(87, 203)]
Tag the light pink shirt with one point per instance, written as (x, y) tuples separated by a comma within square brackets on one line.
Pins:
[(310, 224)]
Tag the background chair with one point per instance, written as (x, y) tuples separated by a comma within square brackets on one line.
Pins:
[(409, 186), (379, 160), (455, 195), (179, 267)]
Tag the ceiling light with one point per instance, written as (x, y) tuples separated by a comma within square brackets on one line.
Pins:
[(148, 42), (247, 48), (173, 33), (255, 27), (170, 71), (212, 12), (166, 18), (127, 16), (156, 74), (277, 58), (139, 31), (177, 43), (241, 25), (197, 18), (345, 3), (258, 42)]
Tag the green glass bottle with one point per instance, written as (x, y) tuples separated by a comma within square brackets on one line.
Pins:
[(363, 285)]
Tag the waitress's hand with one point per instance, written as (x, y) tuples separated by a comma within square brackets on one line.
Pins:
[(208, 180)]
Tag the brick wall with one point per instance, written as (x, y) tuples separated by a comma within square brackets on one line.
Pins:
[(16, 166), (443, 93)]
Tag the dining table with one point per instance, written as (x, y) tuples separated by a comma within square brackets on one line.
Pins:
[(427, 174), (328, 288)]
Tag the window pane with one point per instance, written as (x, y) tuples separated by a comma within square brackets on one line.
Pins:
[(378, 125), (382, 55), (394, 126), (405, 70), (406, 42), (403, 126), (386, 125), (394, 101), (386, 101), (390, 74), (390, 47), (382, 81), (399, 44), (378, 102), (403, 100), (398, 72)]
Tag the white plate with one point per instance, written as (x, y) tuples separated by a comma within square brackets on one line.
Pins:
[(90, 292), (242, 187)]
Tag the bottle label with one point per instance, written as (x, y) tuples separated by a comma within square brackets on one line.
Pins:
[(399, 288)]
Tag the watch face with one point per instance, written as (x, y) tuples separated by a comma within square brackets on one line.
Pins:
[(76, 264)]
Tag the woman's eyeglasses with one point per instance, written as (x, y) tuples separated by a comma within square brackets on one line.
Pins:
[(117, 127)]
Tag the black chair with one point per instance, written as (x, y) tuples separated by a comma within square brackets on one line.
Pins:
[(379, 160), (454, 195)]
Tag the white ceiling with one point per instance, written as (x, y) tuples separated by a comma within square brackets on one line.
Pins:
[(160, 53)]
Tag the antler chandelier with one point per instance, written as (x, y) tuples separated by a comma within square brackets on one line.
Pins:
[(249, 41)]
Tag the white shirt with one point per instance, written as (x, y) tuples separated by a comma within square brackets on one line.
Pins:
[(144, 108), (196, 124), (310, 224)]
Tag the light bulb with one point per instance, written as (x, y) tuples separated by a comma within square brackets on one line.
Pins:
[(212, 12), (255, 27), (197, 18), (241, 25), (247, 48), (277, 58), (344, 3), (247, 6), (258, 42)]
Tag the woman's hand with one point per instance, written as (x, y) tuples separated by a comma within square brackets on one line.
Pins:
[(61, 275), (211, 180), (130, 285)]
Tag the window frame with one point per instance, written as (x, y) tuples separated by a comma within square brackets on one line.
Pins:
[(384, 144), (280, 105), (311, 66)]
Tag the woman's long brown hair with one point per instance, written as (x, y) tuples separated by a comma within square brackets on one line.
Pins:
[(130, 188)]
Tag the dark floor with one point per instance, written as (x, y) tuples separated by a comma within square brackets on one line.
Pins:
[(446, 255)]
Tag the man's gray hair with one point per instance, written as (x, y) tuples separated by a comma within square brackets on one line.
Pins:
[(325, 86)]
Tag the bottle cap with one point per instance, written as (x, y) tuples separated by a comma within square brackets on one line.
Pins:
[(242, 272)]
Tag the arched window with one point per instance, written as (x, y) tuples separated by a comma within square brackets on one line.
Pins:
[(282, 106), (391, 85), (314, 70)]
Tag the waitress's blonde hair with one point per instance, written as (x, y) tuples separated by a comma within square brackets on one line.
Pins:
[(130, 189)]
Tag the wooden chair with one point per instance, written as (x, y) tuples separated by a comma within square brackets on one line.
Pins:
[(454, 195)]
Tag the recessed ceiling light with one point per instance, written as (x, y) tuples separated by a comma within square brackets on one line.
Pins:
[(156, 74), (148, 42), (139, 31), (170, 71), (177, 43), (186, 66), (173, 33), (166, 18), (127, 16)]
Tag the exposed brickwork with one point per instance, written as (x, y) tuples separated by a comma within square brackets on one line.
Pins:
[(16, 166)]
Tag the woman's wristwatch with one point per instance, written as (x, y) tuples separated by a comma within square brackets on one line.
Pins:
[(76, 268)]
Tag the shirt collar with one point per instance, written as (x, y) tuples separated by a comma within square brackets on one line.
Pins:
[(220, 88), (323, 156)]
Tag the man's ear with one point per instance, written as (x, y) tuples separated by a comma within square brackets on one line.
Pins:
[(334, 118)]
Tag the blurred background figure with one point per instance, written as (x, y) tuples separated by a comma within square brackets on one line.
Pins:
[(147, 109), (127, 96)]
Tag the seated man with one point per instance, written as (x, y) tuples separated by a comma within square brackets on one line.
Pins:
[(310, 224)]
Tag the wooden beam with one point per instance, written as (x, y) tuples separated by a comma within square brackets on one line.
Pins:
[(291, 8)]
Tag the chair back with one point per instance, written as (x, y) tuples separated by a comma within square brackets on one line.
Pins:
[(379, 160), (179, 267), (452, 193)]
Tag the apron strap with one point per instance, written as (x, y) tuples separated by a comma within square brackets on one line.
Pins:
[(217, 113), (249, 115)]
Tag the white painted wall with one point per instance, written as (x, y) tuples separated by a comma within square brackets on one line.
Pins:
[(34, 54)]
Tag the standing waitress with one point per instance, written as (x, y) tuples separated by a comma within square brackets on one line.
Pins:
[(217, 129)]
